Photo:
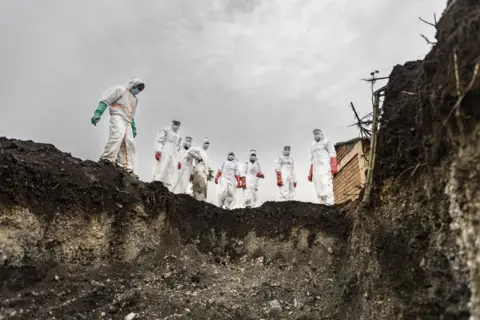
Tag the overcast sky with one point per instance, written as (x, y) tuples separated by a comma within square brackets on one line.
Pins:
[(246, 73)]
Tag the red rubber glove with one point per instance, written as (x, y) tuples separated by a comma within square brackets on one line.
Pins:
[(310, 174), (279, 179), (294, 184), (219, 173), (244, 182), (179, 165), (260, 175), (334, 165), (239, 182), (191, 177), (158, 156)]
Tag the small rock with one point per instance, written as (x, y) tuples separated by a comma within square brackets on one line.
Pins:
[(295, 302), (103, 314), (330, 250), (130, 316), (275, 305), (57, 278), (422, 262), (113, 308), (81, 316), (187, 310)]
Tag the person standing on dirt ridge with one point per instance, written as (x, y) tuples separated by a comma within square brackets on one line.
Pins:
[(185, 167), (323, 167), (122, 102), (200, 170), (167, 148), (252, 173), (229, 178), (286, 177)]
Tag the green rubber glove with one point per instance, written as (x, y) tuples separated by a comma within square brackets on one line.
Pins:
[(97, 115), (134, 128)]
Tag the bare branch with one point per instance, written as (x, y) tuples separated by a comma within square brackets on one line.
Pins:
[(435, 18), (360, 123), (355, 111), (368, 115), (456, 107), (429, 23), (428, 40), (461, 95)]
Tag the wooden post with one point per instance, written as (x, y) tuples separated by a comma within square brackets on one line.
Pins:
[(373, 146)]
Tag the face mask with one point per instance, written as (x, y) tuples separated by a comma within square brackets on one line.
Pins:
[(253, 158), (137, 89), (319, 137), (186, 146), (286, 153), (205, 146), (175, 127), (230, 158)]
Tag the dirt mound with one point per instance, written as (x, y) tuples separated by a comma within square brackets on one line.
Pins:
[(81, 239), (417, 127)]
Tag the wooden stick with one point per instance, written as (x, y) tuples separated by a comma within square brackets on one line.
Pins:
[(373, 146)]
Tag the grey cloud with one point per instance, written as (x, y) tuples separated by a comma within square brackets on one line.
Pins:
[(258, 74)]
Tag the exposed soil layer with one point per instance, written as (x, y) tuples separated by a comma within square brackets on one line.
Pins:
[(414, 246), (83, 240)]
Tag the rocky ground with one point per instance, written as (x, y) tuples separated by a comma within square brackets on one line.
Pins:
[(184, 284)]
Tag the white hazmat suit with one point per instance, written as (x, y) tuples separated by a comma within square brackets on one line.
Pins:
[(240, 193), (122, 106), (323, 167), (252, 173), (200, 171), (228, 180), (185, 168), (286, 177), (167, 150)]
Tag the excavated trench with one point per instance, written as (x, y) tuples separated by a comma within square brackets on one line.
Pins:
[(82, 240)]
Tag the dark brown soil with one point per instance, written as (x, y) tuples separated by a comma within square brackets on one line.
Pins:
[(203, 267)]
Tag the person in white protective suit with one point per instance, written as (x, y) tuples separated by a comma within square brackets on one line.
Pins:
[(323, 167), (228, 180), (167, 150), (286, 177), (252, 173), (122, 103), (239, 202), (185, 168), (200, 171)]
